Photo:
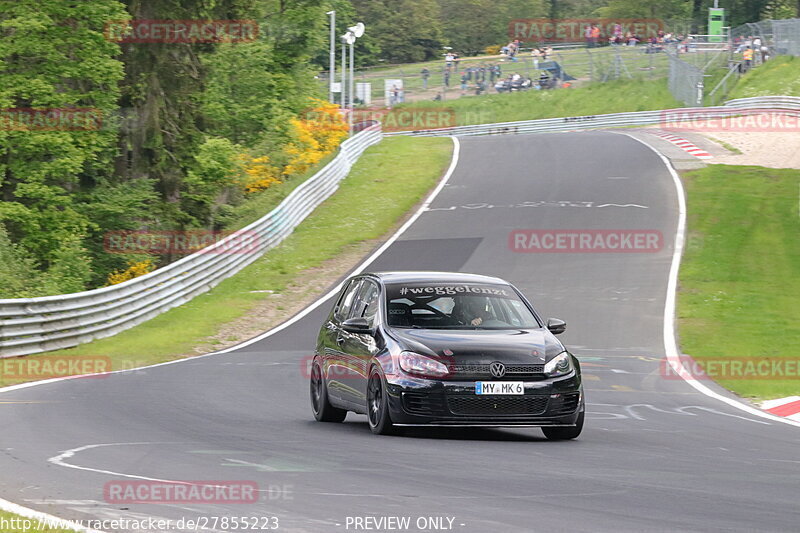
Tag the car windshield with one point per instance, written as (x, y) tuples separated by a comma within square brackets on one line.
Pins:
[(456, 306)]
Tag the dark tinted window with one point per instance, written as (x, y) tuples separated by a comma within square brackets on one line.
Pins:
[(366, 302), (457, 306), (346, 301)]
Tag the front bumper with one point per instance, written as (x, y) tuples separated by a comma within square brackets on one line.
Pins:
[(548, 402)]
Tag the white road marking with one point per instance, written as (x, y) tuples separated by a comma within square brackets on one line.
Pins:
[(25, 512), (535, 204), (670, 345)]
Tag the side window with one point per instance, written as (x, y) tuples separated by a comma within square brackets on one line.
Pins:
[(367, 302), (346, 302)]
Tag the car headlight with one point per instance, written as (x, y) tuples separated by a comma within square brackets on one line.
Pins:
[(416, 364), (559, 365)]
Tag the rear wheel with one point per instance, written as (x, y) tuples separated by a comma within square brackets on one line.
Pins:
[(320, 405), (565, 433), (380, 422)]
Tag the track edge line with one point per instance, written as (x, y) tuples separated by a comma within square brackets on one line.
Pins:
[(670, 345)]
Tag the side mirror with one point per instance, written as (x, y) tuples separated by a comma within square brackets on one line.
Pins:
[(556, 326), (357, 325)]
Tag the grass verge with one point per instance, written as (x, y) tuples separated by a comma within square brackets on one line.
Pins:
[(388, 180), (12, 523), (596, 98), (778, 76), (740, 275)]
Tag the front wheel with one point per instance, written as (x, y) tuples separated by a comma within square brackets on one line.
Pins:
[(380, 422), (320, 405), (565, 433)]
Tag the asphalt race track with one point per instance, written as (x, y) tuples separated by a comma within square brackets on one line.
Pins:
[(655, 455)]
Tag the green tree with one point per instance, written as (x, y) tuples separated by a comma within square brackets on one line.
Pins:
[(55, 61), (406, 30), (253, 89)]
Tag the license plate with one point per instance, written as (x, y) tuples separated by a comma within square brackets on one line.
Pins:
[(499, 387)]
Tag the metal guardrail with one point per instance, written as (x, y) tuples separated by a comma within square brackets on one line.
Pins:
[(33, 325), (612, 120)]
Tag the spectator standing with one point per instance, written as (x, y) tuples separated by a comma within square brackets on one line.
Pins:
[(757, 49), (536, 54), (595, 35), (425, 75), (447, 78), (747, 55), (587, 35)]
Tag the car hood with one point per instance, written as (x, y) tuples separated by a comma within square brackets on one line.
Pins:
[(530, 346)]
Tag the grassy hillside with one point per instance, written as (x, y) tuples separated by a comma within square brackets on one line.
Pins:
[(740, 275), (596, 98), (779, 76)]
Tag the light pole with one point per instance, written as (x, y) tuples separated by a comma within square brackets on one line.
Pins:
[(345, 38), (332, 65), (354, 33)]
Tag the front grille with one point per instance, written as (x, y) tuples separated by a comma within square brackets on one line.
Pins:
[(483, 371), (422, 404), (492, 405)]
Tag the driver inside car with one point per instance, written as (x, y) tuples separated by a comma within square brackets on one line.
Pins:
[(471, 311)]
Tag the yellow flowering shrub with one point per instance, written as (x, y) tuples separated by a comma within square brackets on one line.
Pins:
[(134, 270), (258, 173), (315, 136)]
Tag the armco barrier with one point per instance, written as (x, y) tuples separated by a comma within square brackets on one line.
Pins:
[(33, 325), (613, 120)]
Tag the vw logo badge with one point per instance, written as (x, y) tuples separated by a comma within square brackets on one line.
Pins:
[(497, 369)]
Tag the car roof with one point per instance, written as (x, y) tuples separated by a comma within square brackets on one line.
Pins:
[(434, 277)]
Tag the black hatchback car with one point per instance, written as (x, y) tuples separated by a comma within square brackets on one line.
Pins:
[(443, 349)]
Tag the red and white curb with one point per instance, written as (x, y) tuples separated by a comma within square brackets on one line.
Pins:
[(788, 407), (685, 145)]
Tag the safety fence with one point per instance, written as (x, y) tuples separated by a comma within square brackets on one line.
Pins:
[(32, 325), (615, 120), (685, 81)]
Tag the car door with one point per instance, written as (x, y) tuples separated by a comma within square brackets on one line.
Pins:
[(335, 360), (360, 347)]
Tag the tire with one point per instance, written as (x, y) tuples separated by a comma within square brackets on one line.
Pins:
[(380, 422), (565, 433), (320, 405)]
